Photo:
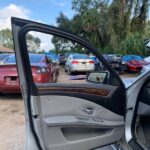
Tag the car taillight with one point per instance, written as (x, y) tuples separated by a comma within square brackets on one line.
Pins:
[(91, 62), (75, 62), (41, 70)]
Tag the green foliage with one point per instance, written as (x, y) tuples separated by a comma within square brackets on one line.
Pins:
[(6, 40), (133, 44), (113, 26)]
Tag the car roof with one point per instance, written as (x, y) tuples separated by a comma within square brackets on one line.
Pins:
[(30, 54), (132, 55), (77, 54)]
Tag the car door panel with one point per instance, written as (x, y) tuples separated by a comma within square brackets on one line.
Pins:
[(78, 115), (104, 95), (74, 127)]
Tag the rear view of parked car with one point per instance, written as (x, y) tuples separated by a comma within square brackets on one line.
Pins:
[(54, 58), (63, 58), (115, 61), (43, 71), (79, 63)]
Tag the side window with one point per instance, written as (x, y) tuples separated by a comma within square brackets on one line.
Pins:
[(82, 61)]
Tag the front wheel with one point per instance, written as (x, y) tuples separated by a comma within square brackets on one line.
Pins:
[(68, 71), (65, 69), (55, 77)]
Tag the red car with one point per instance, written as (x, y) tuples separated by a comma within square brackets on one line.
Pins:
[(43, 71), (134, 62)]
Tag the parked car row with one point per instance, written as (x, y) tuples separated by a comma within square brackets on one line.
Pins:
[(130, 63), (45, 67)]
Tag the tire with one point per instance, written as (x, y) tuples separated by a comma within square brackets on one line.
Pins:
[(68, 71), (65, 69), (55, 77)]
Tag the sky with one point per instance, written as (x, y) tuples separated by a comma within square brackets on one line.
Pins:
[(44, 11)]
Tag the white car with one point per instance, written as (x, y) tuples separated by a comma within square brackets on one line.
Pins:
[(96, 115), (79, 63)]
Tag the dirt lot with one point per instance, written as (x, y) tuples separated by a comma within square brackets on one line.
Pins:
[(12, 117), (12, 122)]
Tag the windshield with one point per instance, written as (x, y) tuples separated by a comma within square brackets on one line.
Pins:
[(3, 56), (109, 57), (81, 56), (132, 57), (33, 59), (53, 57), (138, 58)]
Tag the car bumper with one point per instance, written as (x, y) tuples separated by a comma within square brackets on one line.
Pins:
[(135, 68), (82, 68), (121, 67), (10, 89), (8, 85)]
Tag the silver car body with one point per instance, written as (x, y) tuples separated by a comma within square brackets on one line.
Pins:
[(75, 64)]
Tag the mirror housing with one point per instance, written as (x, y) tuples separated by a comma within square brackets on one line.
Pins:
[(97, 77)]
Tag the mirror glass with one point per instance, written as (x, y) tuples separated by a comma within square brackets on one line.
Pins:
[(97, 77)]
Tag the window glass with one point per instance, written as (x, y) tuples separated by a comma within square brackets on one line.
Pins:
[(71, 63)]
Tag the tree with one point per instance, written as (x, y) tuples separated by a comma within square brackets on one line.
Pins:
[(109, 25), (6, 40), (33, 43), (138, 22)]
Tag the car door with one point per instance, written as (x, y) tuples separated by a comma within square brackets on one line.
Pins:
[(67, 116)]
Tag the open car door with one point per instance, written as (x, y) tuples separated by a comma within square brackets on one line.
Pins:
[(71, 114)]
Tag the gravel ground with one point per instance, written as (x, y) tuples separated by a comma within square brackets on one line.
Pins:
[(12, 122), (12, 117)]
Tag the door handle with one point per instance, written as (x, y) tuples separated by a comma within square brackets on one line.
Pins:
[(88, 110)]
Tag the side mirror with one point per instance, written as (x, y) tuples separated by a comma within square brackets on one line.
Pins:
[(97, 77)]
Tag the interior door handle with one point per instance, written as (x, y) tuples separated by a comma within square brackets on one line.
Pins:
[(88, 110), (80, 121)]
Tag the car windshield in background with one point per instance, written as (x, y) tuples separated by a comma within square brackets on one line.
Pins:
[(33, 59), (132, 57), (3, 56), (109, 57), (53, 57), (80, 56), (11, 60), (138, 58)]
